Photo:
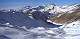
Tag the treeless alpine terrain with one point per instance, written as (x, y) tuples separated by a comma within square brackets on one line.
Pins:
[(67, 17)]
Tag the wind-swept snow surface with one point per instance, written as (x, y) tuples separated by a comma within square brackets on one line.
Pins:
[(69, 31), (34, 33), (72, 30)]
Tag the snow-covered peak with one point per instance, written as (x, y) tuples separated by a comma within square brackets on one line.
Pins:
[(48, 7), (54, 9), (72, 8), (62, 9)]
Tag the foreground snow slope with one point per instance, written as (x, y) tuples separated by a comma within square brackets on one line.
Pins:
[(68, 31), (72, 30)]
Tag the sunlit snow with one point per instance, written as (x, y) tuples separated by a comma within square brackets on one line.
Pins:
[(70, 31)]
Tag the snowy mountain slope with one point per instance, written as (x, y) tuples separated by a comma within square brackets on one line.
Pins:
[(20, 19), (61, 9), (67, 17), (32, 33), (72, 30), (14, 24), (68, 31)]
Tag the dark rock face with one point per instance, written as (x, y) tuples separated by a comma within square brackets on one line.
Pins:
[(40, 15), (20, 19)]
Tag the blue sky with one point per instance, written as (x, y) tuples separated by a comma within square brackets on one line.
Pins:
[(7, 4)]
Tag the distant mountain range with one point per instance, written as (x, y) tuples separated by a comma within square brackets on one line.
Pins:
[(57, 14), (51, 13), (41, 22)]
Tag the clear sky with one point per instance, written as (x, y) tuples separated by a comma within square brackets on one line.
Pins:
[(7, 4)]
